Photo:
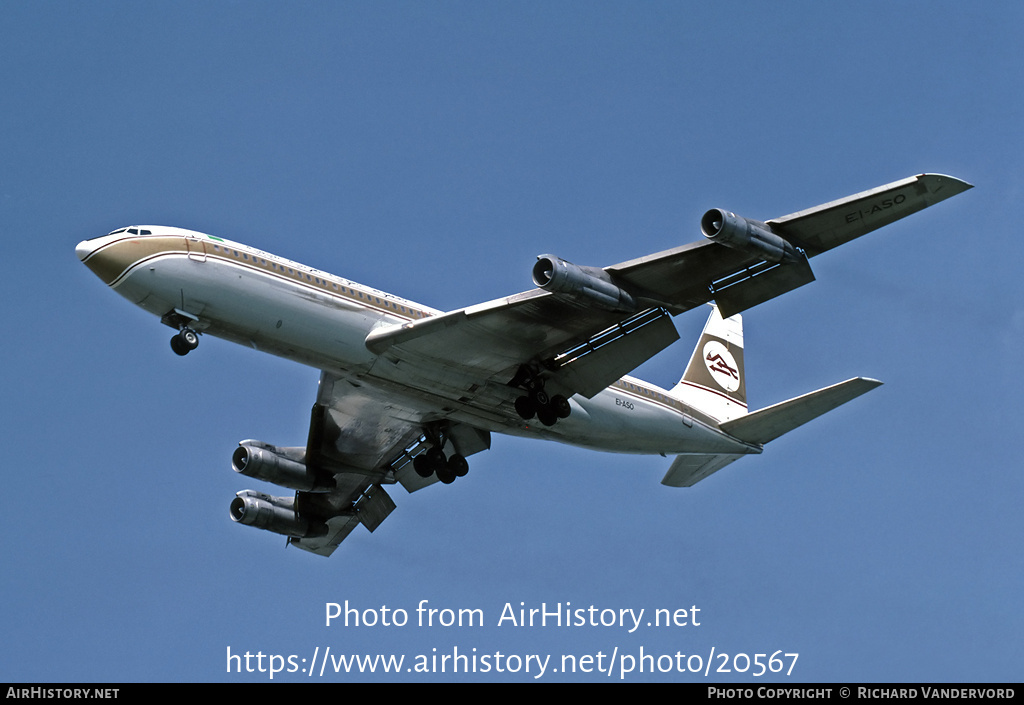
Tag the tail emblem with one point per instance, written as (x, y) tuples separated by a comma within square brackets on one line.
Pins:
[(722, 366)]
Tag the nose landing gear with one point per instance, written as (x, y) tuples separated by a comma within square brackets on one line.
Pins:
[(185, 341)]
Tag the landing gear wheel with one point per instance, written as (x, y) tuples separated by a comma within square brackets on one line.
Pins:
[(185, 341), (458, 465), (446, 475), (560, 405), (178, 346), (547, 416), (526, 408), (190, 338), (540, 397), (436, 460), (422, 466)]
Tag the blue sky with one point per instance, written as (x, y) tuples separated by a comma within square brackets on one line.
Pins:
[(433, 150)]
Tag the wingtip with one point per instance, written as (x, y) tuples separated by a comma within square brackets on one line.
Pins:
[(946, 181)]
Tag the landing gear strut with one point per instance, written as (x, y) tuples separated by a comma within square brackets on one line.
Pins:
[(434, 462), (185, 341)]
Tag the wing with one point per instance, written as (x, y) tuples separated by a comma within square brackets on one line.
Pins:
[(485, 347), (739, 277), (819, 229), (362, 438), (580, 341), (354, 433)]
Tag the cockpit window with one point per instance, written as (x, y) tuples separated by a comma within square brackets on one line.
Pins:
[(115, 232)]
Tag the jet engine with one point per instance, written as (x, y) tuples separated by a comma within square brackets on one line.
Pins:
[(591, 283), (282, 466), (750, 236), (275, 514)]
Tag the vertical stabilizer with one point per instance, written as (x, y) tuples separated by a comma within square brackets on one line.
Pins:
[(714, 381)]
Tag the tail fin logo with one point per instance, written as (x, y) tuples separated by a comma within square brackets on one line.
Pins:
[(722, 366)]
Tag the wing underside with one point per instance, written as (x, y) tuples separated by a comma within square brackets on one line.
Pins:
[(355, 435), (364, 438), (490, 341)]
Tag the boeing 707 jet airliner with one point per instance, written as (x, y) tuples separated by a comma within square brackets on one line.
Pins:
[(407, 392)]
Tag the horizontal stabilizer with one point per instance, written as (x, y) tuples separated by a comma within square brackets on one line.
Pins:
[(769, 423), (688, 470)]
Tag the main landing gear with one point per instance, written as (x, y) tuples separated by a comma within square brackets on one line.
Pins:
[(185, 341), (434, 461), (536, 402)]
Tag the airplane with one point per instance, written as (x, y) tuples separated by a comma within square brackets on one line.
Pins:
[(407, 393)]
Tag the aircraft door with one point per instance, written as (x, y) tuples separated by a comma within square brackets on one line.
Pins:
[(196, 249)]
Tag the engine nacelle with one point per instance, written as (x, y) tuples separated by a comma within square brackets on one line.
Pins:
[(275, 514), (750, 236), (282, 466), (556, 275)]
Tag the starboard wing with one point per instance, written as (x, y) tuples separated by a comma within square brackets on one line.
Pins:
[(583, 347)]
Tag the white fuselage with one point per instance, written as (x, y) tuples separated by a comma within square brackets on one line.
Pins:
[(274, 305)]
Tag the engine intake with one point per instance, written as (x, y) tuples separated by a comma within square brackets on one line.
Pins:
[(554, 274), (275, 514), (750, 236), (282, 466)]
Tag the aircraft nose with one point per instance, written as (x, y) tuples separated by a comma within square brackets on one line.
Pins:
[(83, 249)]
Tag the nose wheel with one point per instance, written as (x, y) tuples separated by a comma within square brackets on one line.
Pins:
[(185, 341)]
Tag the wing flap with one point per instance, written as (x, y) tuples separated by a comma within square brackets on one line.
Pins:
[(739, 293), (769, 423), (338, 529), (374, 507), (598, 364)]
